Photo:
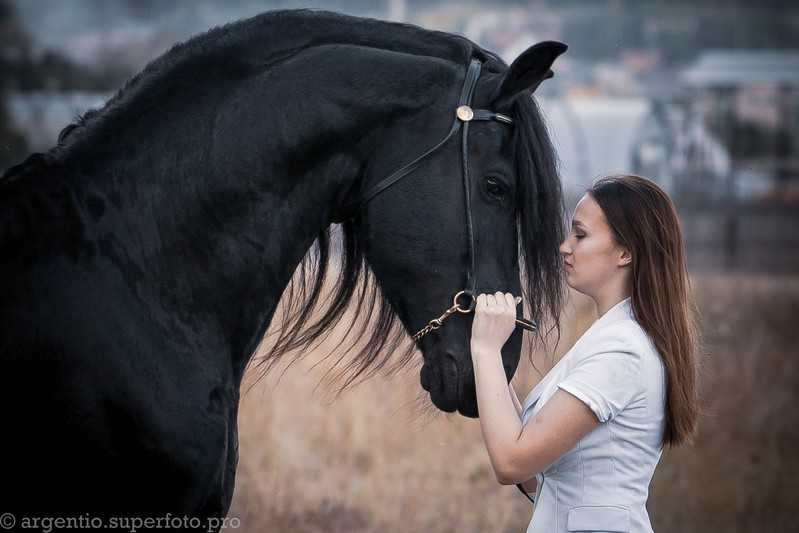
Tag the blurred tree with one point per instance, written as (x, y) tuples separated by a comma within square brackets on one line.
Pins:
[(13, 145), (52, 71), (14, 45)]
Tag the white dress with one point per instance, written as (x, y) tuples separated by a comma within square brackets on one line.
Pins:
[(602, 483)]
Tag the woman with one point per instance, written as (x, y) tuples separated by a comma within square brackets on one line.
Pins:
[(589, 435)]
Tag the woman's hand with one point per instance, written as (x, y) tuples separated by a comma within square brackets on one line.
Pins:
[(494, 321), (517, 452)]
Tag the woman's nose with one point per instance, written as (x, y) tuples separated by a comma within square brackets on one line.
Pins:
[(564, 247)]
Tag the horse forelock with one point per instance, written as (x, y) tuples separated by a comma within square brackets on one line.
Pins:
[(540, 215)]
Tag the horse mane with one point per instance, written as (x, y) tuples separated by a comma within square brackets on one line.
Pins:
[(252, 44)]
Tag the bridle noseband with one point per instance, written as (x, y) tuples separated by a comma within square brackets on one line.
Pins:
[(464, 114)]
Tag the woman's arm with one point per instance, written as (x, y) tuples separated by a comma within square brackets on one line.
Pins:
[(529, 486), (518, 452)]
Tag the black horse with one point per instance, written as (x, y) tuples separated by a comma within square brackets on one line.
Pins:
[(142, 258)]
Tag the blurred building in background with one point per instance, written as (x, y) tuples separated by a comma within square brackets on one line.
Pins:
[(739, 190), (605, 135), (749, 100)]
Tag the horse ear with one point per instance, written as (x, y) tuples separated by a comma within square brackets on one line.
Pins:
[(529, 70)]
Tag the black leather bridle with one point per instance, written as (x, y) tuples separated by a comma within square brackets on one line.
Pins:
[(464, 114)]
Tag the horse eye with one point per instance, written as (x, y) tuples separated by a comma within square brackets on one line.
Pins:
[(494, 187)]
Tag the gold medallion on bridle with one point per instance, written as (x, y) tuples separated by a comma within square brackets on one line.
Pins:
[(465, 113)]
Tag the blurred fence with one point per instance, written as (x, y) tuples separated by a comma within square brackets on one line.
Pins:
[(741, 237)]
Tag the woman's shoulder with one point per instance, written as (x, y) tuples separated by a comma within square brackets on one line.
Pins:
[(620, 326), (625, 331), (620, 334)]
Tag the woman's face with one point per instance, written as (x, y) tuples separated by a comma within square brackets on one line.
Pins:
[(591, 257)]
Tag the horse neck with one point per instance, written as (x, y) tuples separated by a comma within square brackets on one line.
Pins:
[(229, 195)]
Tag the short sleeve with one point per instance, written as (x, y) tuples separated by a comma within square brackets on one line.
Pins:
[(606, 379)]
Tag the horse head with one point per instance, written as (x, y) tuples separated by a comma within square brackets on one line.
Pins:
[(479, 212)]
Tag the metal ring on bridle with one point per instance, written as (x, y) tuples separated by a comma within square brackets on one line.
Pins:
[(460, 309)]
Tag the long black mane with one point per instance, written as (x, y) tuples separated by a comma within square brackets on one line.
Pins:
[(253, 44)]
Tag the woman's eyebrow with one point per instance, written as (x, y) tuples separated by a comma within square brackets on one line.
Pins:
[(576, 223)]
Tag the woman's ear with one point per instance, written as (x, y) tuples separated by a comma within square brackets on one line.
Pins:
[(528, 70), (626, 257)]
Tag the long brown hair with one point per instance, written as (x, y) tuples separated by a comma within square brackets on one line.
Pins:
[(643, 218)]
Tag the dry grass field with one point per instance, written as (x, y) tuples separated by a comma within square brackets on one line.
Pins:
[(374, 459)]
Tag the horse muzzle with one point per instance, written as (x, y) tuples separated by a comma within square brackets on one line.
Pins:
[(451, 389)]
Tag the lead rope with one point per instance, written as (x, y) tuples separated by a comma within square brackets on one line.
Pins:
[(438, 322)]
